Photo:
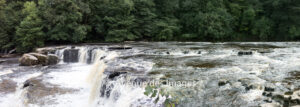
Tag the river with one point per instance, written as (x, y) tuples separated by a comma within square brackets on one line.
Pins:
[(222, 75)]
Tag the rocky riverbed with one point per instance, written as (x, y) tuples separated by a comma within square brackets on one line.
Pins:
[(224, 75)]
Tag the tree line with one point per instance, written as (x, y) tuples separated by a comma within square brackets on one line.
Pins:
[(27, 24)]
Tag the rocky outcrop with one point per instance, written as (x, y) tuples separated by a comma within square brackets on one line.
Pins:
[(37, 90), (71, 55), (115, 74), (42, 59), (31, 59), (52, 59), (28, 60)]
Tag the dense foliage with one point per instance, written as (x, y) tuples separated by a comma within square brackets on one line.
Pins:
[(26, 24)]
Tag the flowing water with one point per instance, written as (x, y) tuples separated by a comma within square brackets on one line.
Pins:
[(222, 74)]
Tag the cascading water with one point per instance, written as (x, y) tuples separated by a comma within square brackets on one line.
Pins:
[(99, 76)]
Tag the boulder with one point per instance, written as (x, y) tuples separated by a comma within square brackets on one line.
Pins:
[(28, 60), (71, 55), (42, 59), (31, 59), (52, 59)]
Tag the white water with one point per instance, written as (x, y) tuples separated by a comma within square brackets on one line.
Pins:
[(88, 79), (19, 98)]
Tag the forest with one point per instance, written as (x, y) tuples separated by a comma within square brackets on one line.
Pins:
[(27, 24)]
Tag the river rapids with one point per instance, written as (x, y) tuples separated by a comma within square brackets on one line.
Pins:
[(239, 74)]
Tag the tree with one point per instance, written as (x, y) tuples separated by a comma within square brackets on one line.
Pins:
[(63, 20), (145, 19), (10, 16), (3, 34), (263, 29), (29, 33)]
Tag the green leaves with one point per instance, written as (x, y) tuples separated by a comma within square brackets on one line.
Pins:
[(29, 33), (76, 21), (63, 20)]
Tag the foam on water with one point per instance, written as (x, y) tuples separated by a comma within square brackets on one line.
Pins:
[(89, 79), (18, 99), (5, 72)]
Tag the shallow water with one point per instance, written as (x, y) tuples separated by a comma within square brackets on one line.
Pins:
[(221, 76)]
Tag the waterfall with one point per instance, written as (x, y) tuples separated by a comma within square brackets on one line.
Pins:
[(83, 54), (20, 98), (96, 55), (102, 91), (95, 76), (60, 54)]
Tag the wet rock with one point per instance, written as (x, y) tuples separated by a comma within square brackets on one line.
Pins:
[(267, 94), (120, 48), (199, 52), (202, 65), (7, 86), (269, 100), (264, 51), (244, 53), (115, 74), (125, 69), (222, 82), (255, 86), (31, 59), (27, 83), (106, 89), (250, 84), (52, 59), (269, 89), (42, 59), (71, 55), (185, 52), (28, 60), (37, 90), (288, 99)]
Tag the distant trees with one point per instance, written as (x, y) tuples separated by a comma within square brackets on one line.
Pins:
[(63, 20), (29, 33), (4, 39), (76, 21)]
